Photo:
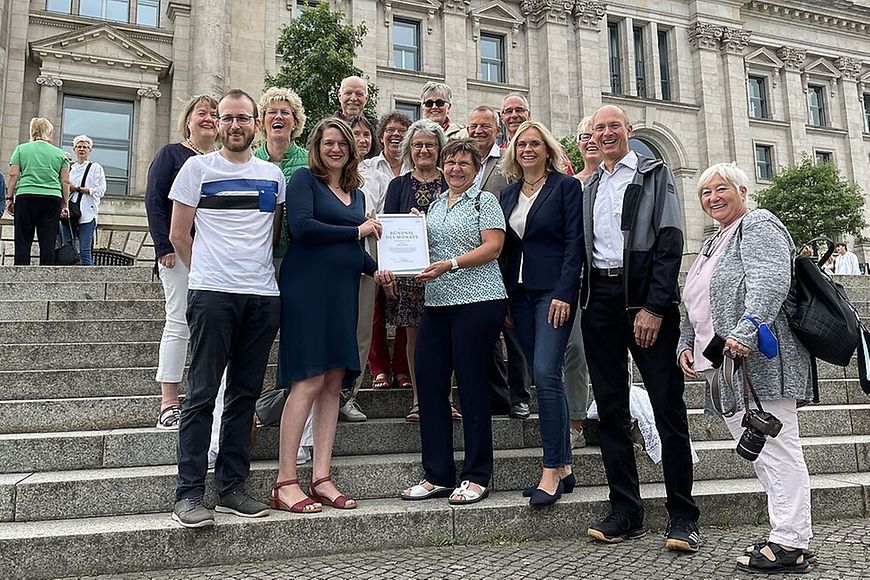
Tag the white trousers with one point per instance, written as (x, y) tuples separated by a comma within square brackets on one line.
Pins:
[(173, 344), (783, 474)]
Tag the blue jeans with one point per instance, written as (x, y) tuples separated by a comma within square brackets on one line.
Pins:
[(86, 242), (544, 346)]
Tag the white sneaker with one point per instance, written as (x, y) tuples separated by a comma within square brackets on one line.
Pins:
[(577, 438), (303, 456)]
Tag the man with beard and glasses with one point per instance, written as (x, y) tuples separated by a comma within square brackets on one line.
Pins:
[(233, 309)]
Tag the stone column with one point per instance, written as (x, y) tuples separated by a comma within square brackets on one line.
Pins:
[(734, 41), (146, 136), (591, 48), (704, 40), (179, 12), (795, 101), (548, 20), (48, 92), (853, 122), (209, 22), (456, 74)]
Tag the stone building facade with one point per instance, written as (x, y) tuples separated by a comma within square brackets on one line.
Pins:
[(760, 82)]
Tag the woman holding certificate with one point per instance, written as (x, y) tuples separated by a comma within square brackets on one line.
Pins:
[(421, 149), (541, 265), (462, 319), (319, 284)]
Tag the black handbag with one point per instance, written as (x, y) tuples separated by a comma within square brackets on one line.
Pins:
[(66, 253), (75, 205)]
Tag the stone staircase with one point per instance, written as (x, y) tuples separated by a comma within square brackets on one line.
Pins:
[(86, 482)]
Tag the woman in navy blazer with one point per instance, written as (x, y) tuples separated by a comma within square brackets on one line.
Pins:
[(541, 262)]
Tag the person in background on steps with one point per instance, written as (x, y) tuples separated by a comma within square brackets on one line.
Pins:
[(387, 369), (282, 120), (87, 185), (846, 262), (576, 371), (541, 262), (744, 271), (234, 307), (630, 295), (39, 174), (198, 128), (463, 316), (320, 278)]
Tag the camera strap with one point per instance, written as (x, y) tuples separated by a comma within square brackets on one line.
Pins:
[(729, 369)]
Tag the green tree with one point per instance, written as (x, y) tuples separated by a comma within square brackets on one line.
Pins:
[(813, 200), (569, 144), (318, 49)]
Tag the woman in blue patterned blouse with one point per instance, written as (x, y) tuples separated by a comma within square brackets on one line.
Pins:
[(465, 305)]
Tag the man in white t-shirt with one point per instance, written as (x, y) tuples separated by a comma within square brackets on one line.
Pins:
[(846, 262), (233, 309)]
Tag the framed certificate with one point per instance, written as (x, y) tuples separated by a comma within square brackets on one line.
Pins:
[(404, 245)]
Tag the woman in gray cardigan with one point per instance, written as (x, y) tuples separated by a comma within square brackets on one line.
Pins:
[(742, 273)]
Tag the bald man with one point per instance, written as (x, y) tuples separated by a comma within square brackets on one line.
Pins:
[(634, 247), (353, 95)]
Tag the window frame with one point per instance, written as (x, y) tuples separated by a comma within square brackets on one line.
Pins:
[(819, 90), (826, 154), (640, 72), (403, 106), (405, 49), (156, 22), (665, 83), (866, 103), (771, 161), (67, 11), (763, 99), (614, 58), (500, 64)]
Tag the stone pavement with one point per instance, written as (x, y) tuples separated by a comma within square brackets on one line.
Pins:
[(843, 548)]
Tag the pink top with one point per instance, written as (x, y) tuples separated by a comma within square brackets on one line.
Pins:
[(696, 294)]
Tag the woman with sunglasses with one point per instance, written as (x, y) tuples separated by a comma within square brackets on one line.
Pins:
[(435, 103), (421, 149)]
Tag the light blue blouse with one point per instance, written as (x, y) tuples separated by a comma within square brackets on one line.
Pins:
[(456, 231)]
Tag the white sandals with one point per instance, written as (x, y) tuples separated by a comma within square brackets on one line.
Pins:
[(469, 496), (419, 492)]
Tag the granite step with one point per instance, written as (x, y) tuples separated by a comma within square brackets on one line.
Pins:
[(47, 310), (94, 290), (98, 440), (152, 541), (67, 274), (82, 331), (132, 490)]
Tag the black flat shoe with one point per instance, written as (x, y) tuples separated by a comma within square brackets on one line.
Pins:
[(541, 498), (569, 482)]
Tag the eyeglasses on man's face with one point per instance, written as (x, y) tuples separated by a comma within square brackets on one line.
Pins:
[(514, 111), (429, 103), (242, 119)]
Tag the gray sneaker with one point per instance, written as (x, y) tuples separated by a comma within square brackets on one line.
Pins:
[(241, 504), (351, 412), (578, 439), (190, 513)]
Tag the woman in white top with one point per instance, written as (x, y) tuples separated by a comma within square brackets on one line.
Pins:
[(87, 185)]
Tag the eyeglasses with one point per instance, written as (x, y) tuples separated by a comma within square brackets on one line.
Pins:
[(395, 130), (584, 137), (331, 144), (421, 146), (529, 144), (242, 120), (515, 110), (282, 112), (429, 103), (477, 126), (615, 126)]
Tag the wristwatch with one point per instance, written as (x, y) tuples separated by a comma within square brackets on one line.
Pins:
[(454, 265)]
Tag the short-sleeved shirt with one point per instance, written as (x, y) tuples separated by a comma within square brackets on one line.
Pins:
[(40, 163), (456, 231), (235, 206)]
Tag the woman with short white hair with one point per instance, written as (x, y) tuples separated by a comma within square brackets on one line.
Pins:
[(435, 102), (87, 185)]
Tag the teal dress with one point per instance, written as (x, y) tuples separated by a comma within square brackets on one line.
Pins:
[(320, 281)]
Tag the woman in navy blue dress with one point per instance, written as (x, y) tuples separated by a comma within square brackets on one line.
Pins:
[(319, 287)]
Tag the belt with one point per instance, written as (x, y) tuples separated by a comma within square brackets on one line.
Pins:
[(608, 272)]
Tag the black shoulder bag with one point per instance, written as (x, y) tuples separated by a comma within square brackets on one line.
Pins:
[(75, 207)]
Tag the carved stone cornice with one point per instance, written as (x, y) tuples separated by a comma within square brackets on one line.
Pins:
[(734, 40), (178, 7), (540, 11), (148, 93), (588, 13), (792, 58), (842, 15), (703, 35), (849, 67), (49, 81), (456, 6)]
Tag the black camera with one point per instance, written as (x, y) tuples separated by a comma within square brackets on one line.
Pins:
[(758, 424)]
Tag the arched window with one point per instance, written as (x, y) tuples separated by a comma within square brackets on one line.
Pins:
[(645, 148)]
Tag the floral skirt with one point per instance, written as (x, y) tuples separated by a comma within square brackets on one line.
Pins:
[(407, 308)]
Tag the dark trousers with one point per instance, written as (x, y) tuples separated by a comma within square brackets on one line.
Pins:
[(608, 337), (457, 338), (236, 332), (38, 214), (509, 381)]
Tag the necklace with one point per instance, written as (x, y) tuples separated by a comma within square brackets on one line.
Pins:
[(532, 183), (194, 147)]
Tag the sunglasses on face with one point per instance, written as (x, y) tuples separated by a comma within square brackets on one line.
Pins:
[(429, 103)]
